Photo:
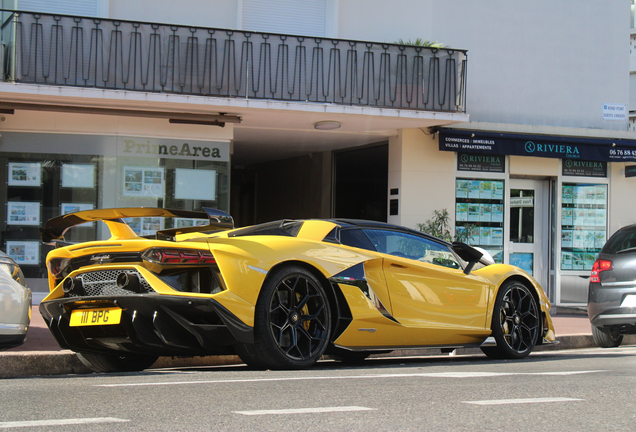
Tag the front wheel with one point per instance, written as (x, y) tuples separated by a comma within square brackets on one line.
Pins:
[(292, 323), (116, 363), (515, 322), (606, 338)]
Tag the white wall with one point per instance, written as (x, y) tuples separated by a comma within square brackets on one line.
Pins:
[(622, 202), (540, 62), (424, 175)]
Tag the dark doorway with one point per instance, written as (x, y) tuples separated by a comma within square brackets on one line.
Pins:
[(361, 183)]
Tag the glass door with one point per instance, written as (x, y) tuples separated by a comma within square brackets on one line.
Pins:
[(529, 215)]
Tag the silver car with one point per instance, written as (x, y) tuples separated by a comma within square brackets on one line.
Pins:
[(15, 304)]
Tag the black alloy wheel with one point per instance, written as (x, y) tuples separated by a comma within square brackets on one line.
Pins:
[(515, 322), (293, 319)]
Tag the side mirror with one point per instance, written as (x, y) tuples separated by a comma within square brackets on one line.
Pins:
[(468, 254)]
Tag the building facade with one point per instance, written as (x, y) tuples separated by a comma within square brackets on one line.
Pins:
[(518, 125)]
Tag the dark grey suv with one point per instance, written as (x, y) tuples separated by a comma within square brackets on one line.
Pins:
[(611, 303)]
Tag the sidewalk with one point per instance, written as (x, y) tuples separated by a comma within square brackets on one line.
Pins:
[(41, 355)]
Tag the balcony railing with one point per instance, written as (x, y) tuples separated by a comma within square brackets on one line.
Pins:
[(130, 55)]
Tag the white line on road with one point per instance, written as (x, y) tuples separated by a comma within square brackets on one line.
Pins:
[(304, 410), (522, 401), (377, 376), (60, 422)]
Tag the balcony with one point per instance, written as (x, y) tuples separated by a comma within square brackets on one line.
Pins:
[(111, 54)]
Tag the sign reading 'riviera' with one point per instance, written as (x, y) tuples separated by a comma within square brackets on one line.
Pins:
[(494, 144), (584, 168), (481, 162)]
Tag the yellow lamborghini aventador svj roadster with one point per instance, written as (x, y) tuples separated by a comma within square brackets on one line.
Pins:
[(279, 294)]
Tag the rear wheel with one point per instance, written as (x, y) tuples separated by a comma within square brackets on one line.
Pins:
[(292, 323), (606, 338), (515, 322), (116, 363)]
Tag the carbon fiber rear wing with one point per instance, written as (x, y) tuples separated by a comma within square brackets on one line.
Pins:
[(54, 229)]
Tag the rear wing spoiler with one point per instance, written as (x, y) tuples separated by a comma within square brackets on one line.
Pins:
[(54, 229)]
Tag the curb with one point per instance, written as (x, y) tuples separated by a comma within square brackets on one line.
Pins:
[(42, 363)]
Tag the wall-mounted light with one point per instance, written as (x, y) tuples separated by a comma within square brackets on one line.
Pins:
[(327, 125)]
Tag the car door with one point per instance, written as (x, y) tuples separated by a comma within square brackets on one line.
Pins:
[(427, 285)]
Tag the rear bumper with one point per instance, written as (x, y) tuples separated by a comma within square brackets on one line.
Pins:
[(606, 307), (150, 324)]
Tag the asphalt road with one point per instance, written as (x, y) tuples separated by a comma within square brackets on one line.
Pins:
[(574, 390)]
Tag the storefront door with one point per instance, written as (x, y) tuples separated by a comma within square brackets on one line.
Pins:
[(529, 219)]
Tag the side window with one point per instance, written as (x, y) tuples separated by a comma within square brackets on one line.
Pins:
[(412, 247), (355, 238)]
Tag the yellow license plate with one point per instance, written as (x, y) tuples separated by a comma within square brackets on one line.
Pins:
[(92, 317)]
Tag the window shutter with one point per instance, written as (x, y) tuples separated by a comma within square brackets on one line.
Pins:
[(300, 17), (62, 7)]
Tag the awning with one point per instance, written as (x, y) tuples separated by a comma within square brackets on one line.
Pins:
[(591, 149)]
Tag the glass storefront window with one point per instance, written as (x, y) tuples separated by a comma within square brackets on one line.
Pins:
[(121, 172), (583, 224), (479, 214)]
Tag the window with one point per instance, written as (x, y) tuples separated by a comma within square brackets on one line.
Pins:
[(355, 238), (413, 247), (307, 17)]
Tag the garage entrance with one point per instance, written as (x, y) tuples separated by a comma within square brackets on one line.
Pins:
[(361, 183)]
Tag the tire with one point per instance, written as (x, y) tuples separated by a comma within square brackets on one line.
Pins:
[(249, 356), (606, 338), (292, 323), (515, 322), (116, 363), (351, 357)]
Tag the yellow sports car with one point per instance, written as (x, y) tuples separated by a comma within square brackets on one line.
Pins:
[(279, 294)]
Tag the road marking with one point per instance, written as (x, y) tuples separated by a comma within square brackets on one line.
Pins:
[(377, 376), (522, 401), (304, 410), (60, 422)]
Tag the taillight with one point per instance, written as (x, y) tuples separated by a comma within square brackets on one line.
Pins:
[(57, 265), (178, 256), (599, 266)]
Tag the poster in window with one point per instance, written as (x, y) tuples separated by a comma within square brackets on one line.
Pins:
[(461, 212), (566, 260), (24, 252), (78, 176), (473, 189), (187, 222), (67, 208), (497, 212), (195, 184), (566, 238), (566, 216), (23, 213), (25, 174), (497, 190), (461, 189), (473, 212), (485, 189), (567, 199), (496, 236), (143, 182), (143, 226), (484, 236), (485, 212)]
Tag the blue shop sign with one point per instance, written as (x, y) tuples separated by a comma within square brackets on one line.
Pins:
[(591, 149)]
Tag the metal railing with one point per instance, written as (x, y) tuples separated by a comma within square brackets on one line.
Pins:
[(129, 55)]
